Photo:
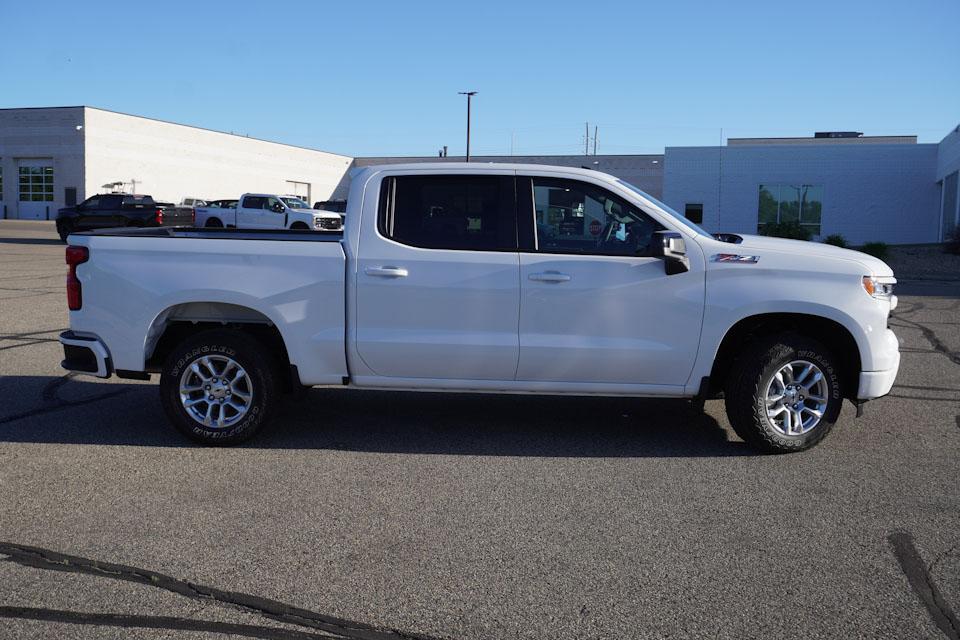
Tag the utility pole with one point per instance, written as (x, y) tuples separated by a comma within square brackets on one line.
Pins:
[(469, 95), (594, 139), (586, 139)]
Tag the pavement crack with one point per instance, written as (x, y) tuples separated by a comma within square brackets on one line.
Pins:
[(918, 576), (46, 559), (158, 622), (931, 337)]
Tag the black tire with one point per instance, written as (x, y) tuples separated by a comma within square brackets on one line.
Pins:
[(300, 226), (254, 359), (64, 229), (213, 223), (747, 384)]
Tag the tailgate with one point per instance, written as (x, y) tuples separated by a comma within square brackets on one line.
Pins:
[(177, 217)]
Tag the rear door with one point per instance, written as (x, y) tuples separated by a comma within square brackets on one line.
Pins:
[(106, 214), (437, 288), (86, 212), (596, 306)]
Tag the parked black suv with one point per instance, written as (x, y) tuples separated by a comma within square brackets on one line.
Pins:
[(120, 210)]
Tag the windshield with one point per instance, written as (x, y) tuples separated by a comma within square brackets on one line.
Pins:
[(687, 223), (295, 203)]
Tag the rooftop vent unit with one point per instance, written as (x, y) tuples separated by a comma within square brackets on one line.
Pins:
[(838, 134)]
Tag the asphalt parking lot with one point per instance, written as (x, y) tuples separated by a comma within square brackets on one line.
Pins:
[(386, 515)]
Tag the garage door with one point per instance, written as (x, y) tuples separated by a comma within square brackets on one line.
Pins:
[(299, 189), (35, 189)]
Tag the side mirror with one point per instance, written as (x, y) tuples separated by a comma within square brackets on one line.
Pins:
[(277, 208), (670, 247)]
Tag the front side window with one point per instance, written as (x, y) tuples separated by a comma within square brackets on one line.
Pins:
[(578, 217), (455, 212), (91, 203), (270, 203), (790, 204)]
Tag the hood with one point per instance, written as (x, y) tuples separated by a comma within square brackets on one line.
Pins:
[(318, 213), (808, 248)]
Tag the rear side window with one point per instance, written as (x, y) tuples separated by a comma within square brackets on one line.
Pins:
[(253, 202), (137, 201), (110, 202), (458, 212)]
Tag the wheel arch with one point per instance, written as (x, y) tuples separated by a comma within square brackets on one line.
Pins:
[(833, 334), (180, 321)]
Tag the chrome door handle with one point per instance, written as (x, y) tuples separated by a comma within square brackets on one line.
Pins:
[(386, 272), (550, 276)]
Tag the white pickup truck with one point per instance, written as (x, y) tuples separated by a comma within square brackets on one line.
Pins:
[(268, 211), (486, 278)]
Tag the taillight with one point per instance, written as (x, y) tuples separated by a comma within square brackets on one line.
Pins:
[(75, 256), (159, 216)]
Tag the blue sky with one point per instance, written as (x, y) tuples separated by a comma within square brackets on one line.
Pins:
[(381, 78)]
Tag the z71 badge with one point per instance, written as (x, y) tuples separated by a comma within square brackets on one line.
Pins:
[(733, 257)]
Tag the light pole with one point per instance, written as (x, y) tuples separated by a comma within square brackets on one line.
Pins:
[(469, 95)]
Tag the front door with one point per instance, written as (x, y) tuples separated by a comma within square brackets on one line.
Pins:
[(437, 291), (256, 212), (596, 307)]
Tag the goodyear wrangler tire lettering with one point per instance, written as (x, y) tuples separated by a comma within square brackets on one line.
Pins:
[(783, 394), (228, 396)]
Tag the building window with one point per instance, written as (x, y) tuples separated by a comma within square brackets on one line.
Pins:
[(950, 197), (790, 204), (36, 184), (694, 213)]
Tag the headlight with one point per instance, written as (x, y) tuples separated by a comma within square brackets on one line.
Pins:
[(880, 288)]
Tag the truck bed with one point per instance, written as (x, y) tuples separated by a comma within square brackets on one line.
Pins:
[(137, 281)]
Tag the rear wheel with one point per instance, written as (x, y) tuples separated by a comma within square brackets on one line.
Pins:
[(783, 394), (213, 222), (219, 387)]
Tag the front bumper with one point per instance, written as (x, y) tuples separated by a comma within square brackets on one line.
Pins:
[(874, 384), (85, 355)]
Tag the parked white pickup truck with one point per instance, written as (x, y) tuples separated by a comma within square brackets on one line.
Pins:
[(486, 278), (267, 211)]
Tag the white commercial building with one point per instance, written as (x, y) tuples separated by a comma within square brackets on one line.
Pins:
[(866, 188), (883, 188), (55, 157)]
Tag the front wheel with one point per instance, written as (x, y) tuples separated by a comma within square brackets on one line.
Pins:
[(783, 394), (299, 226), (218, 387), (64, 229)]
